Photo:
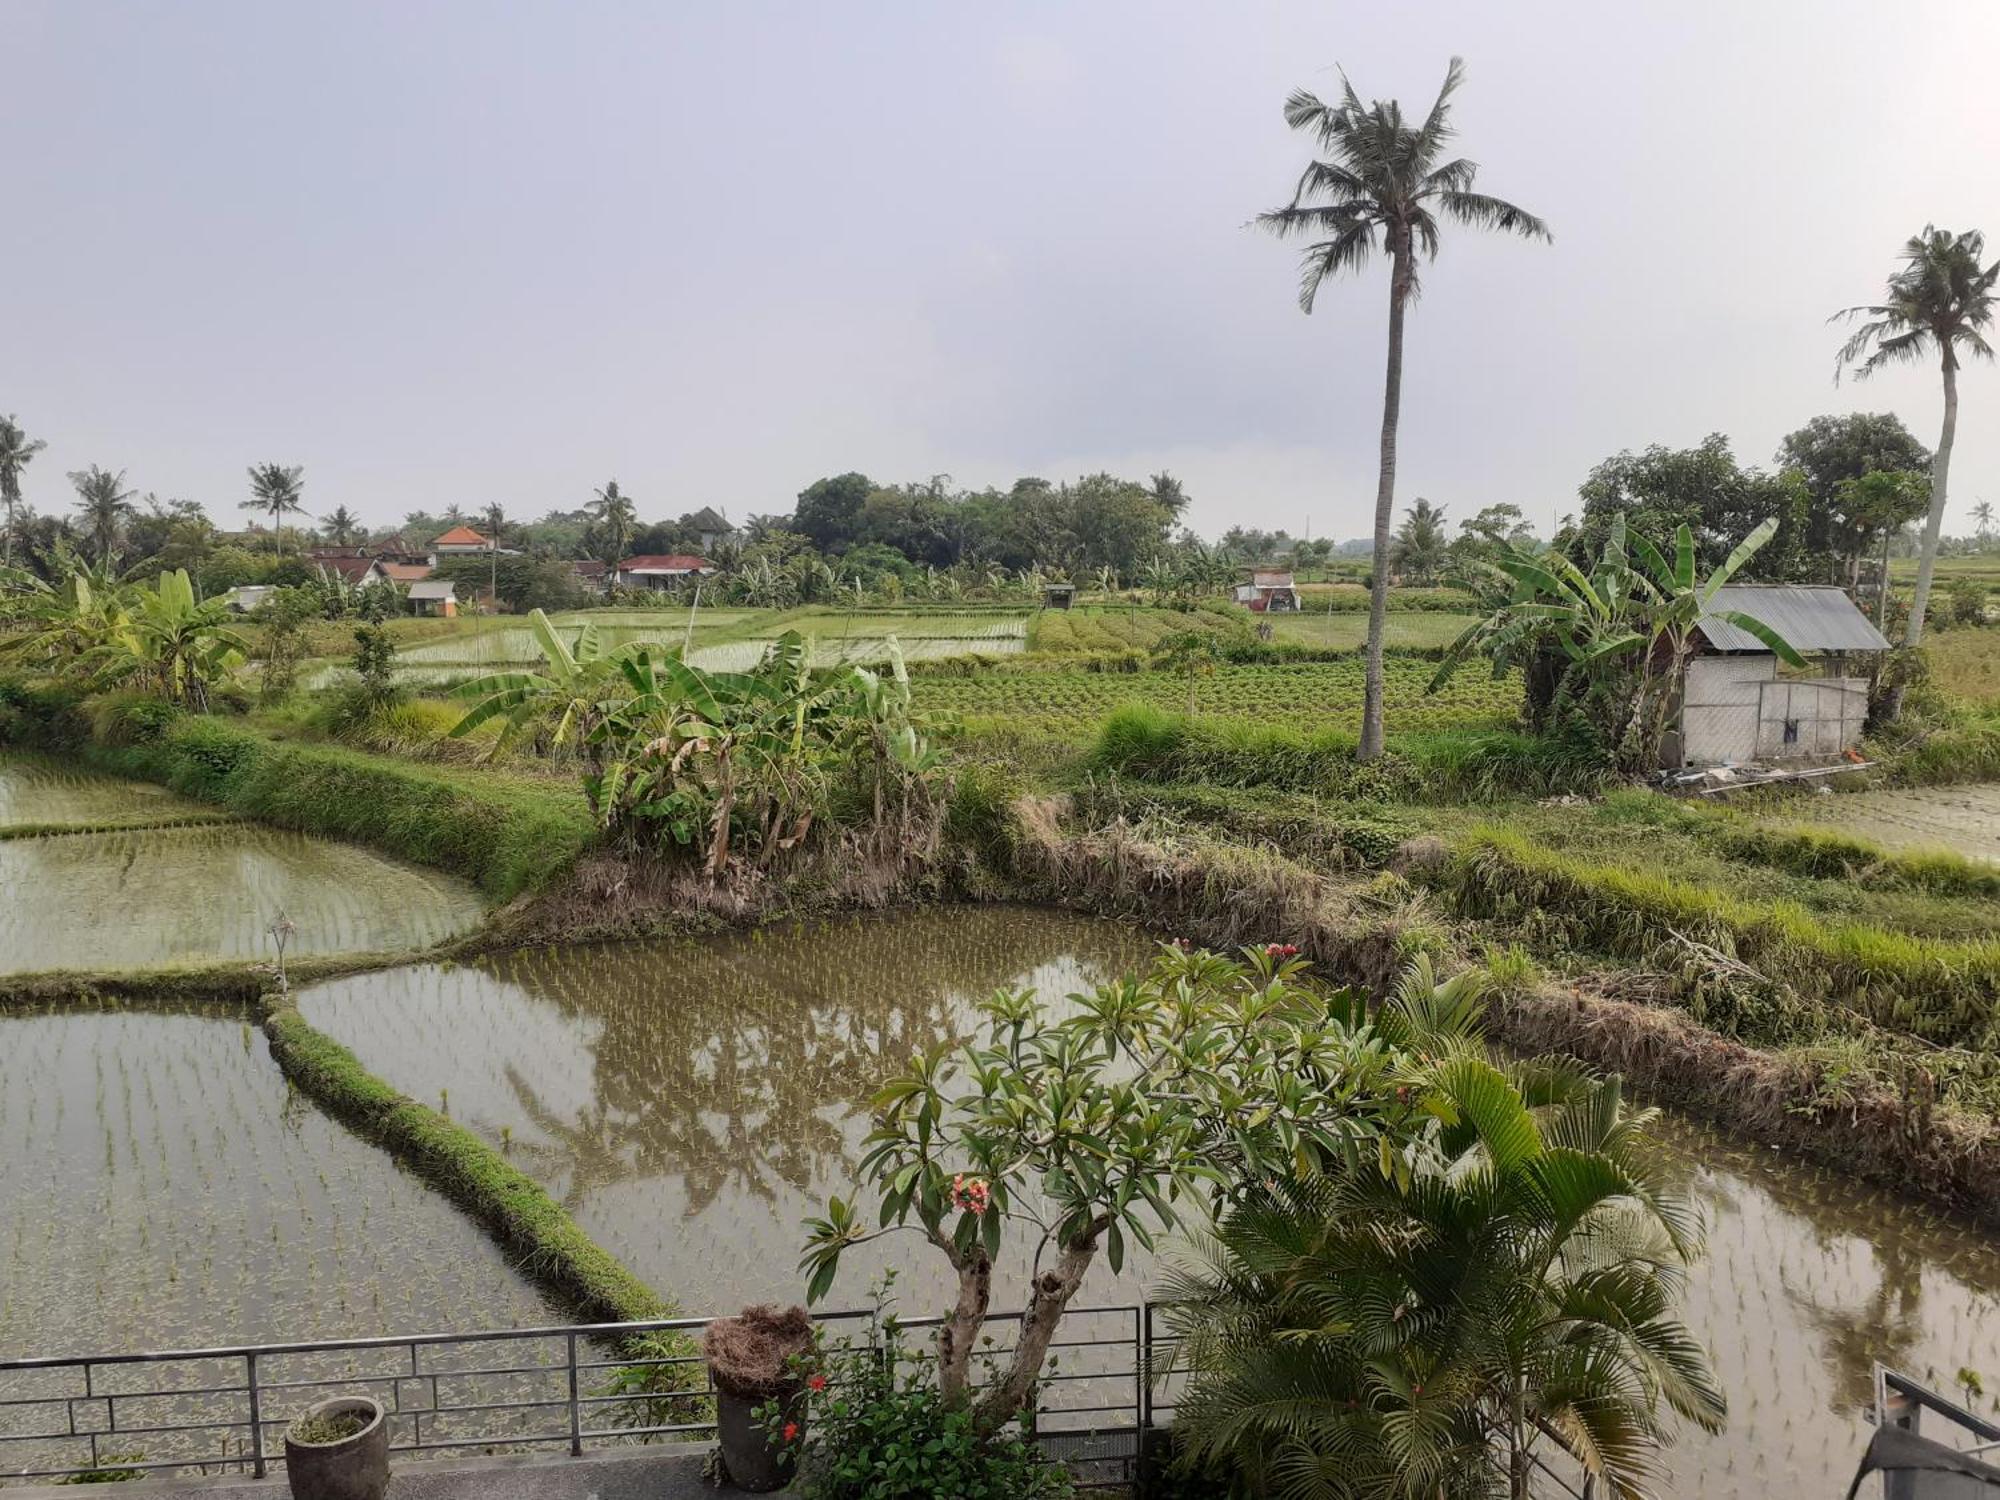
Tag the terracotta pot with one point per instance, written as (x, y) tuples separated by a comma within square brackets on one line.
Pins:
[(354, 1468)]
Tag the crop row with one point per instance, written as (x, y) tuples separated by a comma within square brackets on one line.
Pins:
[(1083, 631), (1315, 693)]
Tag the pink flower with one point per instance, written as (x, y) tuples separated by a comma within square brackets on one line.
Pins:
[(791, 1432), (971, 1194), (815, 1383), (1281, 950)]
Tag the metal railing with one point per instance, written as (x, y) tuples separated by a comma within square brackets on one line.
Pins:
[(224, 1410), (1108, 1383)]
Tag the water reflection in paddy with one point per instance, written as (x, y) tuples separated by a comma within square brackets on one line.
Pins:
[(690, 1101)]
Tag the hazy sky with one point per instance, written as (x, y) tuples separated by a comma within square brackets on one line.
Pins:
[(470, 252)]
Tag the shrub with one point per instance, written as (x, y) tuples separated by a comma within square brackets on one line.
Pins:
[(878, 1429), (132, 718)]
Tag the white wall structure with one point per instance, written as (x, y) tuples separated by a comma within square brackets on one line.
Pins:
[(1737, 709)]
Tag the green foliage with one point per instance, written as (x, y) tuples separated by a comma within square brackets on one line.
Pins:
[(375, 664), (1421, 546), (462, 1166), (1965, 602), (131, 718), (1657, 492), (1162, 1092), (1838, 457), (1626, 629), (504, 836), (1151, 744), (1355, 1333), (112, 1468), (881, 1430)]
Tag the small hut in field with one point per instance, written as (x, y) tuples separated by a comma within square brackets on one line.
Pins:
[(1736, 708)]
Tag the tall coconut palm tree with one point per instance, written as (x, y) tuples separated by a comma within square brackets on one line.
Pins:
[(278, 491), (1982, 517), (494, 519), (103, 505), (1939, 304), (342, 526), (616, 518), (16, 450), (1385, 185)]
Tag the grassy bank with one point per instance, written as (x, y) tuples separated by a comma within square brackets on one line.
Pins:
[(505, 836), (1876, 1112), (512, 1206)]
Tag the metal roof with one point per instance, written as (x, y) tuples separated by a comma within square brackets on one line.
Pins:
[(438, 588), (1809, 617)]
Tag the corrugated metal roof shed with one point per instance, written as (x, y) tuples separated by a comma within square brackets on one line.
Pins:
[(1809, 617), (439, 588)]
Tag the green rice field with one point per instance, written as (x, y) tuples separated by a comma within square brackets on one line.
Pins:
[(1306, 695)]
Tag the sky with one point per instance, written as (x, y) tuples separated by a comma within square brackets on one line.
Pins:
[(442, 252)]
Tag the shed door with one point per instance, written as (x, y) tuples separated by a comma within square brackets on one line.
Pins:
[(1720, 707)]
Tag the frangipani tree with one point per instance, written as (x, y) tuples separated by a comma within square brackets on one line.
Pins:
[(1630, 621), (1066, 1137)]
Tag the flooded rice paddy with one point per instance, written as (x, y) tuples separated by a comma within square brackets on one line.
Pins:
[(1963, 819), (130, 896), (689, 1101), (164, 1188), (137, 897), (45, 793)]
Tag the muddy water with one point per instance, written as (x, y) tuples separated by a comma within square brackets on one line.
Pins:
[(691, 1101), (38, 791), (136, 897), (1964, 819), (163, 1188)]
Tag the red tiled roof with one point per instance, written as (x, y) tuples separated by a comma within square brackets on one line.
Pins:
[(460, 536), (407, 572), (671, 562)]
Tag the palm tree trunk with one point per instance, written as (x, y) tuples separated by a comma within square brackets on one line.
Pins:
[(1934, 523), (1385, 499)]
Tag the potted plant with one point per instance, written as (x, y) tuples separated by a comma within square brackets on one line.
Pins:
[(339, 1450), (755, 1361)]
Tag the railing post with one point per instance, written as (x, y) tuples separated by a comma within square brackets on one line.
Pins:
[(1142, 1328), (575, 1414), (256, 1419)]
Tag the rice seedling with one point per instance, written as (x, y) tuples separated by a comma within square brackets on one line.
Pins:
[(179, 1201), (142, 897)]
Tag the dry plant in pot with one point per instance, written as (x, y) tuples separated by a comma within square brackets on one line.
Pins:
[(755, 1359), (339, 1450)]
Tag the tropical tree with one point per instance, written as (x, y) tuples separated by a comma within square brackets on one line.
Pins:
[(17, 450), (1433, 1334), (341, 527), (1422, 546), (1940, 304), (1625, 628), (278, 491), (103, 506), (615, 518), (1156, 1096), (1982, 517), (1383, 184), (171, 644), (1194, 654), (66, 621)]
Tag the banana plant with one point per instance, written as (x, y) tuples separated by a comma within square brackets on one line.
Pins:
[(1629, 623), (566, 700), (170, 642)]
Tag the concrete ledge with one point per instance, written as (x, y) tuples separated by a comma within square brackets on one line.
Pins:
[(667, 1471)]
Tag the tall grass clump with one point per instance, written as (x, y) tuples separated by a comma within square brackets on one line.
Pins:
[(1763, 969), (505, 837)]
